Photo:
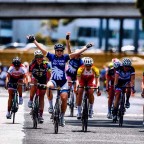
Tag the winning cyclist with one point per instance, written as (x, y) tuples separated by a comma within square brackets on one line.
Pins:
[(110, 75), (40, 73), (86, 75), (125, 76), (58, 76), (73, 64), (15, 74)]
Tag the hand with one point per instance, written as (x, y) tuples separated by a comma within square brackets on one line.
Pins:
[(89, 45), (68, 36), (6, 87), (30, 38), (98, 93)]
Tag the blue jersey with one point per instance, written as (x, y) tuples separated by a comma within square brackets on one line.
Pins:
[(73, 66), (58, 66)]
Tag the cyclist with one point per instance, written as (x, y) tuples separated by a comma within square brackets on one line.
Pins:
[(40, 73), (58, 77), (110, 75), (73, 64), (86, 75), (124, 76), (15, 74), (142, 94)]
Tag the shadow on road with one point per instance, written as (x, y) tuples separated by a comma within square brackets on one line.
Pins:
[(107, 123)]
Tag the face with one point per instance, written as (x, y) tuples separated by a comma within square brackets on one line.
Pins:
[(126, 68), (59, 52), (39, 59), (88, 67)]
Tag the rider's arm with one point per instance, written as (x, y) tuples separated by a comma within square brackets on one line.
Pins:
[(7, 80), (132, 80), (32, 39), (107, 80), (74, 54), (68, 43), (116, 79)]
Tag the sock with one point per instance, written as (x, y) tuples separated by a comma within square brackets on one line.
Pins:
[(79, 109), (51, 103)]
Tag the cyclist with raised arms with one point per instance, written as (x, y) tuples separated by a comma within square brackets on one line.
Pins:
[(110, 75), (87, 75), (58, 76), (15, 74), (39, 70), (124, 76), (73, 64)]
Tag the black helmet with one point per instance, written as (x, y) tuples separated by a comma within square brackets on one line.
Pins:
[(16, 61), (58, 46)]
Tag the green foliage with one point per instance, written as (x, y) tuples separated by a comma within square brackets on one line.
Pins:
[(67, 21)]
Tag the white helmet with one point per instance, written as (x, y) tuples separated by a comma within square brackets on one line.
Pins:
[(38, 53), (116, 64), (87, 61)]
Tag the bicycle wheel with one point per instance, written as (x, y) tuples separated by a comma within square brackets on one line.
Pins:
[(143, 115), (71, 104), (35, 120), (85, 115), (13, 117), (56, 125)]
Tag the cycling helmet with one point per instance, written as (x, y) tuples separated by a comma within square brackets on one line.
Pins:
[(110, 65), (38, 54), (126, 62), (59, 46), (116, 64), (16, 61), (115, 60), (87, 61)]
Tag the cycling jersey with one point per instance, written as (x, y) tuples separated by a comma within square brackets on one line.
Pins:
[(58, 65), (73, 66), (40, 71), (124, 76), (87, 77), (16, 75)]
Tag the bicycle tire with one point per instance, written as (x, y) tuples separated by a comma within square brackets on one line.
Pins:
[(13, 117), (35, 120), (56, 117), (85, 116), (72, 104)]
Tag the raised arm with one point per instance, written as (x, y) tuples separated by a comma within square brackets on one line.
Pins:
[(31, 38), (74, 54), (68, 42)]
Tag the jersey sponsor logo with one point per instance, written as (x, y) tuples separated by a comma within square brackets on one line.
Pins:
[(57, 74)]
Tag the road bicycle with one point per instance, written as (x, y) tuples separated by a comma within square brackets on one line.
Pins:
[(85, 107), (71, 98), (56, 115), (15, 104), (122, 108), (35, 106)]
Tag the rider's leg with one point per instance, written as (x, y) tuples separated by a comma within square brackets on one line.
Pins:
[(116, 103), (20, 92), (79, 101), (50, 96), (128, 93), (91, 102), (110, 101)]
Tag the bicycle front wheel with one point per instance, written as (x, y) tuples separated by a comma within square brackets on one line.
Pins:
[(56, 125), (35, 120), (13, 114), (84, 125)]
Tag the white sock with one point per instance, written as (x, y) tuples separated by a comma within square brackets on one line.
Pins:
[(79, 109), (91, 106), (51, 103)]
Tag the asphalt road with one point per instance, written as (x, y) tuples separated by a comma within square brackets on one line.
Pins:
[(100, 129)]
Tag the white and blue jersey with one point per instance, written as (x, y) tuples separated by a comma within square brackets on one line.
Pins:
[(58, 65)]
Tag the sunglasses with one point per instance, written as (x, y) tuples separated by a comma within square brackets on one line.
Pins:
[(59, 50), (38, 56)]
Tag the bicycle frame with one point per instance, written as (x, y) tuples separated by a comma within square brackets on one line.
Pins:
[(57, 109), (35, 107), (15, 105), (85, 106)]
